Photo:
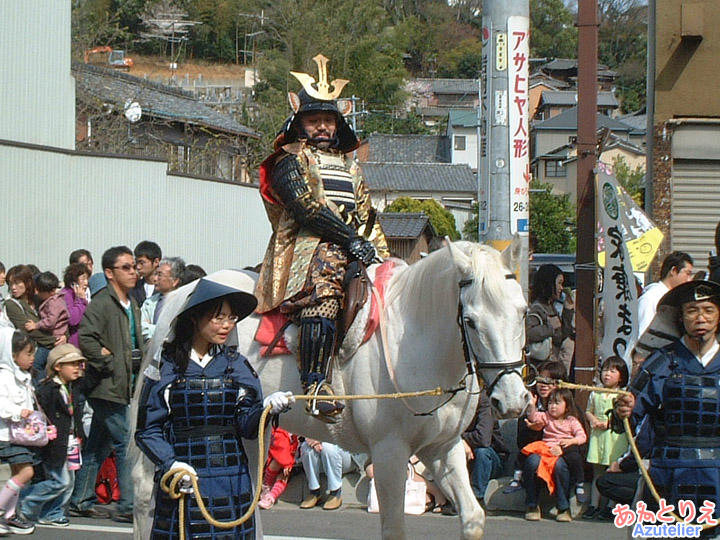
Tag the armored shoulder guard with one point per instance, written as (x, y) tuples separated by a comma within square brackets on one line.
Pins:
[(291, 188), (650, 367)]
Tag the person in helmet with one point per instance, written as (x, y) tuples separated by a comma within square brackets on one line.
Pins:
[(675, 393), (322, 219)]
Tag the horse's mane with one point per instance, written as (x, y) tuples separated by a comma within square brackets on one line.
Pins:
[(431, 286)]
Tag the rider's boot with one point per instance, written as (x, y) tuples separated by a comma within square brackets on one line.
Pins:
[(317, 337)]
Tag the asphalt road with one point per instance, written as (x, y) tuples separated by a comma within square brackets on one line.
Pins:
[(286, 521)]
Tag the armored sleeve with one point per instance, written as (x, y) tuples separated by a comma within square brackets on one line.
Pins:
[(291, 188)]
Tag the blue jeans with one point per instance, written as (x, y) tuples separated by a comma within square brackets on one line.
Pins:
[(47, 499), (109, 429), (39, 363), (486, 465), (532, 483), (333, 461)]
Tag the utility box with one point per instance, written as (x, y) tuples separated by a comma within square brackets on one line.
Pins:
[(691, 17)]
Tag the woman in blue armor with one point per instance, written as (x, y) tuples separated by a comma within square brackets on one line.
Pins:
[(207, 399), (677, 393)]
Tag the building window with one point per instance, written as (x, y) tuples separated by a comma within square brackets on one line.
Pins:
[(554, 169), (459, 142)]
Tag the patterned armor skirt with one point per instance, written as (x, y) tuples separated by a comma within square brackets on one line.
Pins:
[(203, 414)]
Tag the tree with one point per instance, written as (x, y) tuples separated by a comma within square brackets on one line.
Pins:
[(632, 180), (552, 220), (553, 33), (441, 219), (470, 228)]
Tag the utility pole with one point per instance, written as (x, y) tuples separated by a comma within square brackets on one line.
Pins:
[(503, 191), (585, 268)]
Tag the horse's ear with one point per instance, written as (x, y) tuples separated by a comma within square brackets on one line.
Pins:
[(511, 254), (459, 257)]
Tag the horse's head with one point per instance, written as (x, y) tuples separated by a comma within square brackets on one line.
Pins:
[(491, 315)]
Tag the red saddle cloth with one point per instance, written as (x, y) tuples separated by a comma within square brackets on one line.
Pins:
[(272, 322)]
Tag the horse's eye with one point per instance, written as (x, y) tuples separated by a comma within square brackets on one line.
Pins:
[(470, 323)]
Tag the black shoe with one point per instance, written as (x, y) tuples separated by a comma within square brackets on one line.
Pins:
[(18, 525), (93, 512), (448, 509), (123, 518), (591, 513), (605, 514)]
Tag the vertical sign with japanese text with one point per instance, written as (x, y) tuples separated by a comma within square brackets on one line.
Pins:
[(518, 120)]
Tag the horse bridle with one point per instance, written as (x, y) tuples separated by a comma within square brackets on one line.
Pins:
[(473, 362)]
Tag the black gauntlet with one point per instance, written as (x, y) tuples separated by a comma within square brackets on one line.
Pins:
[(361, 249)]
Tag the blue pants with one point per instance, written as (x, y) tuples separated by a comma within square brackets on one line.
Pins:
[(332, 460), (485, 466), (532, 483), (39, 363), (47, 499), (109, 429)]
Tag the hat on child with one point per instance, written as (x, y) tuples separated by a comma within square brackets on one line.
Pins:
[(67, 352)]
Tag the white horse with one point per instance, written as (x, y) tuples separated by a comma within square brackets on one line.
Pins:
[(458, 303)]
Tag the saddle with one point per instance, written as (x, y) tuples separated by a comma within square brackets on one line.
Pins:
[(357, 291)]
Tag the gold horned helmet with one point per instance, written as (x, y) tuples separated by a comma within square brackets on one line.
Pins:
[(317, 96)]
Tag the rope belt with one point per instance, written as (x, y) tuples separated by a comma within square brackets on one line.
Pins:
[(631, 438), (170, 481)]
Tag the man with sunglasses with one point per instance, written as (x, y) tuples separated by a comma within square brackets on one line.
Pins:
[(111, 339)]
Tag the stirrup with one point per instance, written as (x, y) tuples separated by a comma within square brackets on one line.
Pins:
[(325, 410)]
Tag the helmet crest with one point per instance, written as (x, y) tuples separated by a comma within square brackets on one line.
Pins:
[(321, 90)]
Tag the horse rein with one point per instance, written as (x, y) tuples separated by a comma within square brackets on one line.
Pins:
[(473, 362)]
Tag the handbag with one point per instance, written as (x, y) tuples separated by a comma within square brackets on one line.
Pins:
[(540, 350), (30, 431), (415, 493)]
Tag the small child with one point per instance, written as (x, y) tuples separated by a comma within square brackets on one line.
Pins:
[(54, 317), (548, 372), (53, 309), (556, 458), (280, 462), (17, 398), (605, 445)]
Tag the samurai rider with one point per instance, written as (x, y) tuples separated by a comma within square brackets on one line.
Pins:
[(319, 206)]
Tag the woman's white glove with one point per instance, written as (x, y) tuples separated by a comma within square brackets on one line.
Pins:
[(280, 402), (185, 482)]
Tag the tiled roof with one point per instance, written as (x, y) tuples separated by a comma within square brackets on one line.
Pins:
[(568, 121), (569, 64), (409, 148), (444, 86), (463, 118), (569, 97), (405, 225), (637, 120), (431, 177), (155, 99)]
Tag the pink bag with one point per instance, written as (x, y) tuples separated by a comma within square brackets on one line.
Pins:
[(31, 431)]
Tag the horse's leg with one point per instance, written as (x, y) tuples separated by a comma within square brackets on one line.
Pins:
[(390, 473), (142, 477), (450, 472)]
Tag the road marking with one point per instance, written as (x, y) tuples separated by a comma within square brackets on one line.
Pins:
[(128, 530), (93, 528)]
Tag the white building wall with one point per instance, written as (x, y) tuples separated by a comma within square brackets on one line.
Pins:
[(470, 154), (36, 88), (54, 202)]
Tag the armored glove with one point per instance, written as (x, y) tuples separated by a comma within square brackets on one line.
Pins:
[(185, 482), (279, 401), (362, 250)]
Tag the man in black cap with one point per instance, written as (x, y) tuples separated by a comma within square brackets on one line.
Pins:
[(319, 207), (676, 392)]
